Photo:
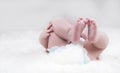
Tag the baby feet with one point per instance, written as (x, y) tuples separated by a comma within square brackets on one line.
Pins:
[(79, 27)]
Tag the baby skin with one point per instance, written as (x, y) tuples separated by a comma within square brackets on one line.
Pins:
[(60, 32)]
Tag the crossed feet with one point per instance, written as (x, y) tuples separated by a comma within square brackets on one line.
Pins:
[(79, 30)]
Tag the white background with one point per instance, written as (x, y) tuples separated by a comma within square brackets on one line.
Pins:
[(33, 14)]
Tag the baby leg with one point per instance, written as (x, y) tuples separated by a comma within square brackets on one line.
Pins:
[(61, 28), (67, 31), (55, 40), (49, 39), (97, 41)]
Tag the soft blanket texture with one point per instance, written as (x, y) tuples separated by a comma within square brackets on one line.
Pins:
[(20, 52)]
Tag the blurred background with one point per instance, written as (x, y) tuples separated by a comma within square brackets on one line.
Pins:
[(20, 15)]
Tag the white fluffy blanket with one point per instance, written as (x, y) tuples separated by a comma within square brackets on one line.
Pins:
[(20, 52)]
